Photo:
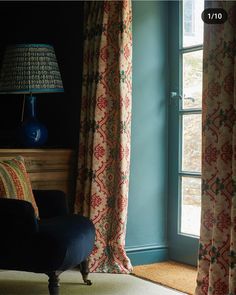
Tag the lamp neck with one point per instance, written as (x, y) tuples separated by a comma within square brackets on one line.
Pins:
[(30, 106)]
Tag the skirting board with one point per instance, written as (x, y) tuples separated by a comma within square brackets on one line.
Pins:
[(147, 254)]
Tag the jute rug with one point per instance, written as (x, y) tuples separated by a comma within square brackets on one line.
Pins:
[(178, 276)]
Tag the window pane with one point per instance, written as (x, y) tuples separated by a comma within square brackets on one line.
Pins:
[(191, 143), (192, 22), (192, 80), (191, 206)]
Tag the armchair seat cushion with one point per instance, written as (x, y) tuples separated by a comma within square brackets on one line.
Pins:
[(61, 243)]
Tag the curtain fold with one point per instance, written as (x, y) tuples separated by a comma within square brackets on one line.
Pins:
[(217, 252), (105, 123)]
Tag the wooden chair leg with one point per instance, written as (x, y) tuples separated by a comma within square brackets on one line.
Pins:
[(53, 283), (85, 272)]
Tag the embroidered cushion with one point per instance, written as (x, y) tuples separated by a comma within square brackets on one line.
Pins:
[(15, 182)]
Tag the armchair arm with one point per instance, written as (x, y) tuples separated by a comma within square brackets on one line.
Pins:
[(17, 217), (51, 203)]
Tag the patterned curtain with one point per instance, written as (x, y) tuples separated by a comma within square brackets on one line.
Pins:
[(217, 254), (104, 150)]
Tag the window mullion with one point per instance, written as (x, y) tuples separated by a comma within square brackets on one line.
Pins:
[(191, 48), (189, 111)]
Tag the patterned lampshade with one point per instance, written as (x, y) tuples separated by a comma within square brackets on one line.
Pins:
[(30, 68)]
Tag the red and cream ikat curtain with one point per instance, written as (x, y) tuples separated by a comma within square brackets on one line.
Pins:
[(104, 149), (217, 254)]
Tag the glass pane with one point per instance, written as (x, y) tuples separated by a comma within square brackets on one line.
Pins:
[(192, 80), (192, 143), (192, 22), (191, 206)]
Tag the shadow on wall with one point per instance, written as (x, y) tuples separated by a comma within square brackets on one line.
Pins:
[(59, 24)]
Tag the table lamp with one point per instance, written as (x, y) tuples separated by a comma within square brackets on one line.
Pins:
[(30, 69)]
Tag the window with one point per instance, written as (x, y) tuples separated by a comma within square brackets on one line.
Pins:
[(190, 114)]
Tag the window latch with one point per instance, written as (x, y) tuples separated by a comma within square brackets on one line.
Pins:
[(174, 95)]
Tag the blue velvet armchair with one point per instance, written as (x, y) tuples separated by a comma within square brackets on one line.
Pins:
[(56, 242)]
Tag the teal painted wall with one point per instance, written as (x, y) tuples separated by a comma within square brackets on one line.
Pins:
[(146, 239)]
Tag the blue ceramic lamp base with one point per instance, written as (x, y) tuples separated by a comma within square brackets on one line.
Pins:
[(32, 133)]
